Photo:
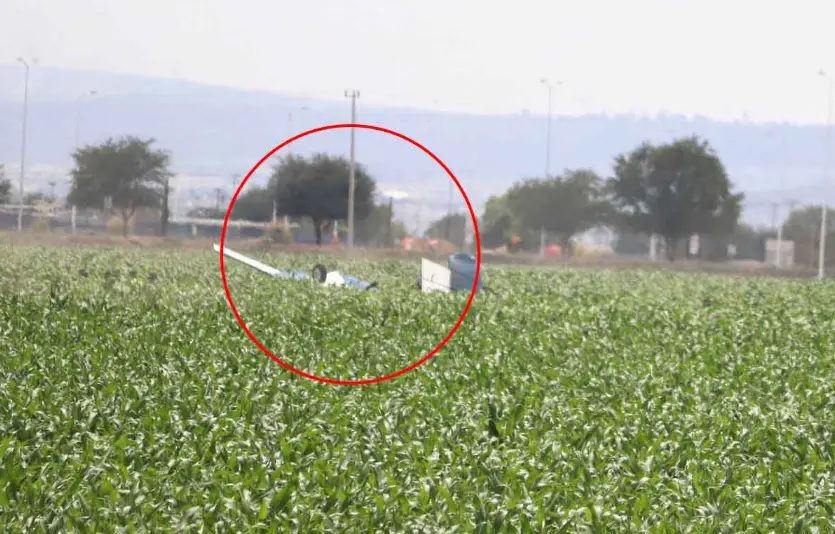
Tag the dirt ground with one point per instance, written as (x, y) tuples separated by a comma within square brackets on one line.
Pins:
[(743, 268)]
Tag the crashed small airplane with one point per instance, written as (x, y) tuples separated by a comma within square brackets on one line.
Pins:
[(457, 276), (318, 273)]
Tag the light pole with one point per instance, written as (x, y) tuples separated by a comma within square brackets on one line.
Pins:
[(23, 143), (353, 95), (78, 116), (550, 87), (826, 172), (781, 223)]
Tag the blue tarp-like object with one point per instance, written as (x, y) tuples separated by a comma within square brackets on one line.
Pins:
[(462, 266)]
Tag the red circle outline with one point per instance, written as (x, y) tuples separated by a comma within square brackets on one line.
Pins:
[(365, 381)]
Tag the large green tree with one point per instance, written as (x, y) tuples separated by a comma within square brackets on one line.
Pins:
[(5, 186), (255, 203), (128, 171), (317, 187), (499, 224), (674, 190), (564, 205)]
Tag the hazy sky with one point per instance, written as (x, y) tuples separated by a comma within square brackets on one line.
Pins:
[(726, 59)]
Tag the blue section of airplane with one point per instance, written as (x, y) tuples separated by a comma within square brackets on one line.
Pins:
[(463, 267)]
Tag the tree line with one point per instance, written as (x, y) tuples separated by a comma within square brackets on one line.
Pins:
[(673, 190), (127, 174)]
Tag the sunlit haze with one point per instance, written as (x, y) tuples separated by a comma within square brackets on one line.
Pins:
[(748, 59)]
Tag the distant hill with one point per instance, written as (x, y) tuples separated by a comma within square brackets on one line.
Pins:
[(216, 132)]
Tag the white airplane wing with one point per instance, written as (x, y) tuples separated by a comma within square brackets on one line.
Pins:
[(255, 264)]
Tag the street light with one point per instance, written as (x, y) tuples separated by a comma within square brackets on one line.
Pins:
[(550, 87), (781, 223), (78, 115), (23, 141), (353, 95), (826, 172)]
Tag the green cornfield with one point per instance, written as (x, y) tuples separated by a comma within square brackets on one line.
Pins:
[(571, 400)]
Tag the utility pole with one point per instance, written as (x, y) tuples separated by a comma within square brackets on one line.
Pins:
[(23, 143), (780, 223), (826, 172), (353, 95), (774, 206), (547, 155)]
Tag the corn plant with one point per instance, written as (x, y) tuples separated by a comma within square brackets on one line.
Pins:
[(570, 400)]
